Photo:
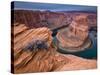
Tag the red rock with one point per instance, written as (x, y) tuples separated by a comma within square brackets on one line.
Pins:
[(75, 35), (41, 60)]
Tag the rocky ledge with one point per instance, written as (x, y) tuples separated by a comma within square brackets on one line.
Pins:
[(34, 51)]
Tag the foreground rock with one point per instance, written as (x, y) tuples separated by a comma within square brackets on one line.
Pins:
[(34, 52)]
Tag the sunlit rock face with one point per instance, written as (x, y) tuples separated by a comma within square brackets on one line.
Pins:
[(33, 51), (76, 34), (79, 28)]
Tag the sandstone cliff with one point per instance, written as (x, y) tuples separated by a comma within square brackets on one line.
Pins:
[(34, 51), (50, 19)]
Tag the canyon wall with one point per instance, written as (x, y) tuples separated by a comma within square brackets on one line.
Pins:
[(50, 19)]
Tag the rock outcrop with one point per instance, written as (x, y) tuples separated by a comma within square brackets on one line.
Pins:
[(75, 35), (34, 51)]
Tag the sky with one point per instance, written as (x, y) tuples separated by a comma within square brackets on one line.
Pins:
[(18, 5)]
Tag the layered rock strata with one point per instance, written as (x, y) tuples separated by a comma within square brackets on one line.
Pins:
[(34, 51), (75, 36)]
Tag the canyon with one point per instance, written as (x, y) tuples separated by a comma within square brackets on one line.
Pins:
[(33, 49), (50, 19)]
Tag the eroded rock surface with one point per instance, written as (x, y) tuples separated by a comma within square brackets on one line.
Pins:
[(30, 57), (50, 19), (76, 34)]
